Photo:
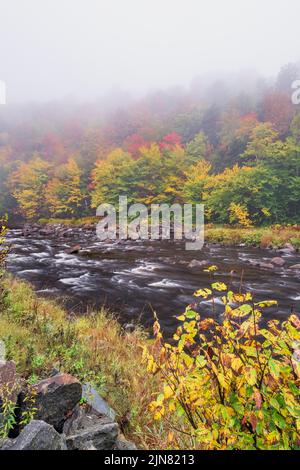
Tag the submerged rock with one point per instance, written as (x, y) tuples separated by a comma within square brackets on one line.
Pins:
[(278, 261), (266, 265), (87, 430), (73, 249), (295, 266)]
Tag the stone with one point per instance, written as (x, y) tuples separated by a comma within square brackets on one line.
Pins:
[(266, 265), (95, 437), (94, 400), (8, 380), (6, 443), (56, 397), (278, 261), (295, 266), (194, 264), (88, 430), (73, 249), (38, 435)]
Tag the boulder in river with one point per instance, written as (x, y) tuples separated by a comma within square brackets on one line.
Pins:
[(266, 265), (73, 249), (287, 248), (278, 261)]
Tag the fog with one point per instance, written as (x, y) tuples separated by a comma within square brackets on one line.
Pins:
[(53, 49)]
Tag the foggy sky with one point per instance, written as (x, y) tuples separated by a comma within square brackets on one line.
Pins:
[(53, 48)]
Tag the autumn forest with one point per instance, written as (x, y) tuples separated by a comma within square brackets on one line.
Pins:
[(236, 152)]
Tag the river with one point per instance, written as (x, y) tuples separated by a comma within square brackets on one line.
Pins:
[(133, 278)]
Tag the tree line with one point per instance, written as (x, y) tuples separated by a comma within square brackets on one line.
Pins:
[(241, 159)]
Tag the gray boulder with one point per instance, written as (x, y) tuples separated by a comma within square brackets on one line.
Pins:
[(194, 264), (94, 400), (87, 430), (37, 435), (56, 397), (278, 261)]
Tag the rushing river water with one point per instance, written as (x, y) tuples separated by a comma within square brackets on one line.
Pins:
[(132, 278)]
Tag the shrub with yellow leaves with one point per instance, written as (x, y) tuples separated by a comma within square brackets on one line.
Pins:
[(231, 384)]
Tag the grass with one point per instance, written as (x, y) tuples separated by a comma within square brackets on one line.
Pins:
[(263, 237), (40, 335)]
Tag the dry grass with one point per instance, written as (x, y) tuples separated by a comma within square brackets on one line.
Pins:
[(263, 237), (39, 335)]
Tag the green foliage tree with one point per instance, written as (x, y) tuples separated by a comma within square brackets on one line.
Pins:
[(63, 192), (28, 184)]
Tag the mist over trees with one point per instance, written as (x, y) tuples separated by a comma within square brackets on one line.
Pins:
[(232, 144)]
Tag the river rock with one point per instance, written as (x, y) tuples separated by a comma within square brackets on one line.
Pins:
[(87, 430), (266, 265), (29, 230), (287, 248), (278, 261), (56, 397), (295, 266), (73, 249), (194, 264), (94, 400), (6, 443), (37, 435)]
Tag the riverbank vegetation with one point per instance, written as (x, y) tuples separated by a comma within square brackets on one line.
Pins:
[(274, 236), (253, 396)]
